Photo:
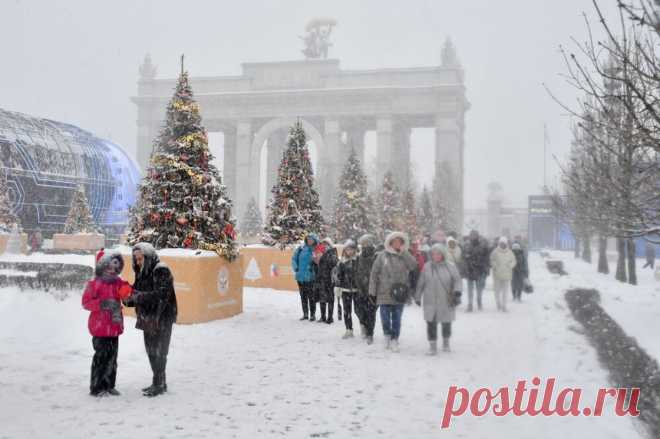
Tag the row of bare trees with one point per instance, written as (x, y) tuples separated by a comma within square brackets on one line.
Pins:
[(611, 179)]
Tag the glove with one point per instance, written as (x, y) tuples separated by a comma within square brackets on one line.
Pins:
[(457, 298)]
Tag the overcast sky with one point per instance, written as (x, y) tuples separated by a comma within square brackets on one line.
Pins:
[(77, 61)]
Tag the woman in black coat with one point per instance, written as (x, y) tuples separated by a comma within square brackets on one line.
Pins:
[(323, 280), (156, 309), (520, 272)]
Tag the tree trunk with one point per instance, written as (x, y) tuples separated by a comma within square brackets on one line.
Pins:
[(632, 272), (577, 248), (603, 264), (586, 252), (621, 260)]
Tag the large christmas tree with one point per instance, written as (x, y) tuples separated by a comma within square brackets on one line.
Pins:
[(389, 207), (182, 202), (7, 218), (79, 219), (294, 209), (252, 223), (353, 212)]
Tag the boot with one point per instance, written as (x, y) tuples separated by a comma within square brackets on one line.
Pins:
[(113, 392), (433, 348), (395, 345), (363, 331), (445, 344), (312, 318), (388, 343), (329, 321), (339, 310), (304, 318), (348, 334), (322, 319), (469, 307), (370, 339)]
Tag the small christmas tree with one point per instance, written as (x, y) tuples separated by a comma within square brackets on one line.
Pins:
[(252, 223), (7, 217), (79, 219), (425, 215), (410, 225), (353, 213), (182, 202), (294, 209), (445, 196), (389, 207)]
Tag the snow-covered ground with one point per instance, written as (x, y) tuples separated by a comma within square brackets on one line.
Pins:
[(634, 307), (265, 374)]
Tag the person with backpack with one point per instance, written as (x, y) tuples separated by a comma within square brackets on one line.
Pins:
[(439, 289), (389, 284), (365, 305), (302, 264)]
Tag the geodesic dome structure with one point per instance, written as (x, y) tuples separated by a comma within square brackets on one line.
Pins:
[(47, 160)]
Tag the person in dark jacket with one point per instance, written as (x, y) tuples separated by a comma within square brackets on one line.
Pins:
[(520, 272), (302, 264), (649, 250), (155, 305), (326, 260), (102, 297), (476, 263), (365, 305), (347, 283)]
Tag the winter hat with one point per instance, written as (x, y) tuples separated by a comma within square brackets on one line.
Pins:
[(367, 240), (439, 248), (516, 246), (350, 243), (328, 241), (450, 239), (503, 240), (105, 259)]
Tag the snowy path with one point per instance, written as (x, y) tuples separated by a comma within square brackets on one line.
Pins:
[(265, 374)]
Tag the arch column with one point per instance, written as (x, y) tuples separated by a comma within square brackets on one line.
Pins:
[(230, 161), (355, 140), (384, 145), (448, 150), (401, 154), (247, 167), (329, 163)]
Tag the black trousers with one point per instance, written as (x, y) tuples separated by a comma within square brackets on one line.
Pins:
[(432, 330), (517, 291), (366, 309), (347, 300), (157, 344), (329, 307), (307, 298), (104, 364)]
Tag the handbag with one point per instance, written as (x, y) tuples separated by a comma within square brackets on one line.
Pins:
[(400, 292), (527, 286), (454, 297)]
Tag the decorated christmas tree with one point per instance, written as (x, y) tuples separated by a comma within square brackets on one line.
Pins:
[(389, 207), (7, 218), (79, 219), (444, 198), (353, 212), (410, 224), (425, 213), (252, 223), (182, 202), (294, 209)]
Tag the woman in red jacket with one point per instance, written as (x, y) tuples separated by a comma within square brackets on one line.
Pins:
[(102, 297)]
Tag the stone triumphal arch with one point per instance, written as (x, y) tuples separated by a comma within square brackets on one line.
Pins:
[(337, 107)]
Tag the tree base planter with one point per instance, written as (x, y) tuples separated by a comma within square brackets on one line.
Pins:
[(268, 267), (4, 239), (207, 286), (79, 241)]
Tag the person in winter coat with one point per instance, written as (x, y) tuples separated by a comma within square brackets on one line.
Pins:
[(326, 259), (649, 250), (391, 270), (476, 265), (502, 261), (102, 297), (520, 272), (347, 283), (365, 305), (438, 288), (454, 253), (155, 305), (419, 257), (302, 264)]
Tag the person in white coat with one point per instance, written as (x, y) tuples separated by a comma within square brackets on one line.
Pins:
[(439, 288), (502, 262)]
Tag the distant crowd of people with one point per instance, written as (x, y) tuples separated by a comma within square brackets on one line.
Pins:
[(371, 277)]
